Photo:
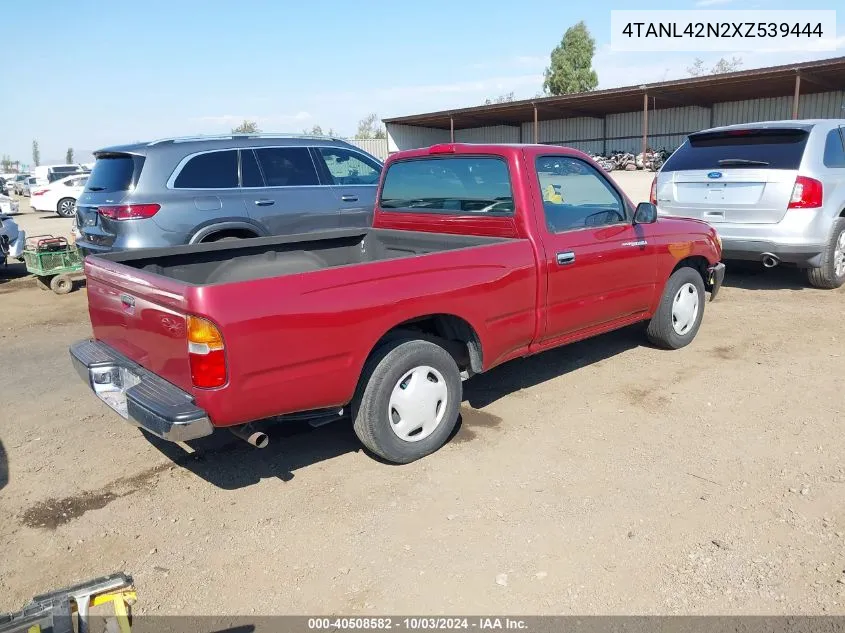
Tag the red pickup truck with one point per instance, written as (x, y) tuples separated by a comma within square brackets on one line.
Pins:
[(478, 254)]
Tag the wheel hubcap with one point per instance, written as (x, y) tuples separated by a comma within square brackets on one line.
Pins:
[(67, 207), (839, 255), (418, 403), (685, 308)]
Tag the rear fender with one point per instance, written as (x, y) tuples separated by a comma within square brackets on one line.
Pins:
[(218, 226)]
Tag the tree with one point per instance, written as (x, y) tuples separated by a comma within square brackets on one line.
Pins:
[(370, 127), (6, 163), (722, 66), (571, 67), (69, 156), (505, 98), (317, 130), (247, 127), (36, 153)]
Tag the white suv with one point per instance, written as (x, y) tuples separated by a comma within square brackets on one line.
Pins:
[(774, 191)]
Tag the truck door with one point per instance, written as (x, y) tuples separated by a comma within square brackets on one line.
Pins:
[(600, 266)]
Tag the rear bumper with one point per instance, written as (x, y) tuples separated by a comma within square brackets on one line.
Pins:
[(152, 403), (754, 250)]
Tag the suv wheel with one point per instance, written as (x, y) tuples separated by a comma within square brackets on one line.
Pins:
[(831, 274)]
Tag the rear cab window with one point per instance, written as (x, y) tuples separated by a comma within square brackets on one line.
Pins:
[(753, 148), (455, 185), (115, 172)]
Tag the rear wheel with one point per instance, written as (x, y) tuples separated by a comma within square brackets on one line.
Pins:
[(66, 207), (61, 284), (681, 309), (407, 402), (831, 274)]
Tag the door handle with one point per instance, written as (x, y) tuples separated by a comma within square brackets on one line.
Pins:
[(565, 258), (349, 198), (264, 202)]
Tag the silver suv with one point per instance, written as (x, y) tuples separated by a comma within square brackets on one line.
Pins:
[(774, 191), (201, 189)]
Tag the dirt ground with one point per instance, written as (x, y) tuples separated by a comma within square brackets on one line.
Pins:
[(605, 477)]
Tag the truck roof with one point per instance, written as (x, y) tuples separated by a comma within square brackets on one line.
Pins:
[(496, 149)]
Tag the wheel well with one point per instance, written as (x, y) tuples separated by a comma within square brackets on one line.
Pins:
[(842, 213), (241, 234), (451, 332), (696, 262)]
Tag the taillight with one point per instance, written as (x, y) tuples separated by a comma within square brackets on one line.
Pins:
[(129, 211), (40, 192), (806, 194), (652, 196), (206, 353)]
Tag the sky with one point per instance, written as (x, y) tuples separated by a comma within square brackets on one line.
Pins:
[(99, 72)]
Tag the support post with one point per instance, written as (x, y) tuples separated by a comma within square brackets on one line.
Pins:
[(451, 129), (604, 136), (536, 125), (797, 97), (645, 123)]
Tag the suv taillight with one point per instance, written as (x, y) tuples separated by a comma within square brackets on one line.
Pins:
[(806, 194), (652, 196), (206, 353), (129, 211)]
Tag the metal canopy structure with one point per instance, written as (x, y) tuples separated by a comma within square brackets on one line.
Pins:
[(775, 81)]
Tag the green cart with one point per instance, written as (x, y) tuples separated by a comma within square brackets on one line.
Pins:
[(55, 263)]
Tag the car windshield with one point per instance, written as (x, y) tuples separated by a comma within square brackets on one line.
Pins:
[(115, 172), (774, 148)]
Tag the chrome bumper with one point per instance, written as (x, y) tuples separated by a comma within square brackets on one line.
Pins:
[(138, 395)]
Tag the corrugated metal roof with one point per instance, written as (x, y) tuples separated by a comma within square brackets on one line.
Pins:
[(761, 83)]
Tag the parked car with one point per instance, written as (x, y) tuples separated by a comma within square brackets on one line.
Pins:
[(775, 191), (187, 191), (8, 206), (46, 174), (28, 184), (478, 255), (12, 239), (60, 196), (17, 183)]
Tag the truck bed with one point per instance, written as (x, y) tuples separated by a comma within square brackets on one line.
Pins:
[(244, 260)]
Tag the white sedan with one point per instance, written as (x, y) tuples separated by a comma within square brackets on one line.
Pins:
[(59, 196)]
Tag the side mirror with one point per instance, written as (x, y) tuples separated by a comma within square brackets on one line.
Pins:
[(646, 213)]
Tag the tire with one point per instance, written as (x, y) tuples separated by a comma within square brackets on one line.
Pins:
[(831, 274), (670, 328), (376, 415), (66, 207), (61, 284)]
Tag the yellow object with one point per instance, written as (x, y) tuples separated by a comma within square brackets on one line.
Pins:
[(204, 331), (550, 194)]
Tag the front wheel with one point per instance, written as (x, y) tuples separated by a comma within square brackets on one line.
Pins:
[(66, 207), (681, 309), (407, 402), (831, 274)]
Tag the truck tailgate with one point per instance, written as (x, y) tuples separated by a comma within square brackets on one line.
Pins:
[(142, 316)]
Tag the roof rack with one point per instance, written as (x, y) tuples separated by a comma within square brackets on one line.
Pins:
[(224, 137)]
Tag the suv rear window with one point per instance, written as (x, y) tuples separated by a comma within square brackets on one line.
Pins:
[(770, 148), (115, 172), (465, 184)]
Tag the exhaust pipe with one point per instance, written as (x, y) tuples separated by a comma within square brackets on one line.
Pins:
[(249, 435), (770, 261)]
